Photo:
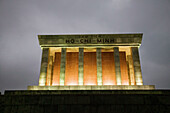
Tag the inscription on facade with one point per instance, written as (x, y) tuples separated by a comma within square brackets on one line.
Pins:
[(87, 40)]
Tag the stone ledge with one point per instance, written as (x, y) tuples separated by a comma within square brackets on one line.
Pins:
[(86, 92), (108, 87)]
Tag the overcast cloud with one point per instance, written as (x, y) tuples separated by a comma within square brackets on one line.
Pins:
[(22, 20)]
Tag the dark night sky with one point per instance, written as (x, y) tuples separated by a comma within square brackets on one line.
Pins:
[(22, 20)]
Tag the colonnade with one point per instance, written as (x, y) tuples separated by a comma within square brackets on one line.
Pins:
[(133, 62)]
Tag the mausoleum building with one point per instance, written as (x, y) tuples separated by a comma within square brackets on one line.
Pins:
[(88, 73), (90, 61)]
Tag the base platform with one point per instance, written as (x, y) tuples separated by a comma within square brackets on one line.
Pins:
[(85, 101)]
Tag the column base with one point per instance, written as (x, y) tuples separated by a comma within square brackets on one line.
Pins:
[(106, 87)]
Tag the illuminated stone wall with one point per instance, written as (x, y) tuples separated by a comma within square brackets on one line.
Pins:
[(56, 69), (108, 69), (72, 63), (108, 74)]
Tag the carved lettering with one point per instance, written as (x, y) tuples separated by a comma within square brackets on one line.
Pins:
[(106, 40), (81, 40), (89, 40), (67, 41), (70, 41), (99, 40)]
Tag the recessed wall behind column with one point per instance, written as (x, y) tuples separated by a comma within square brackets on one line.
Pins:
[(123, 68), (71, 71), (108, 67), (56, 69), (90, 67)]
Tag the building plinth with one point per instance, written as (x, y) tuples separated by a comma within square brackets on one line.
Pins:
[(85, 101)]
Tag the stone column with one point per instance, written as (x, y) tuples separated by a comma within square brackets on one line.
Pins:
[(117, 66), (44, 65), (136, 64), (99, 66), (131, 70), (62, 66), (81, 63), (52, 73), (49, 71)]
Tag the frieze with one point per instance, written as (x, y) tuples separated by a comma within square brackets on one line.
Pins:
[(83, 40)]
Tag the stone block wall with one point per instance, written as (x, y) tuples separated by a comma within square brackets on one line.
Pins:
[(125, 101)]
